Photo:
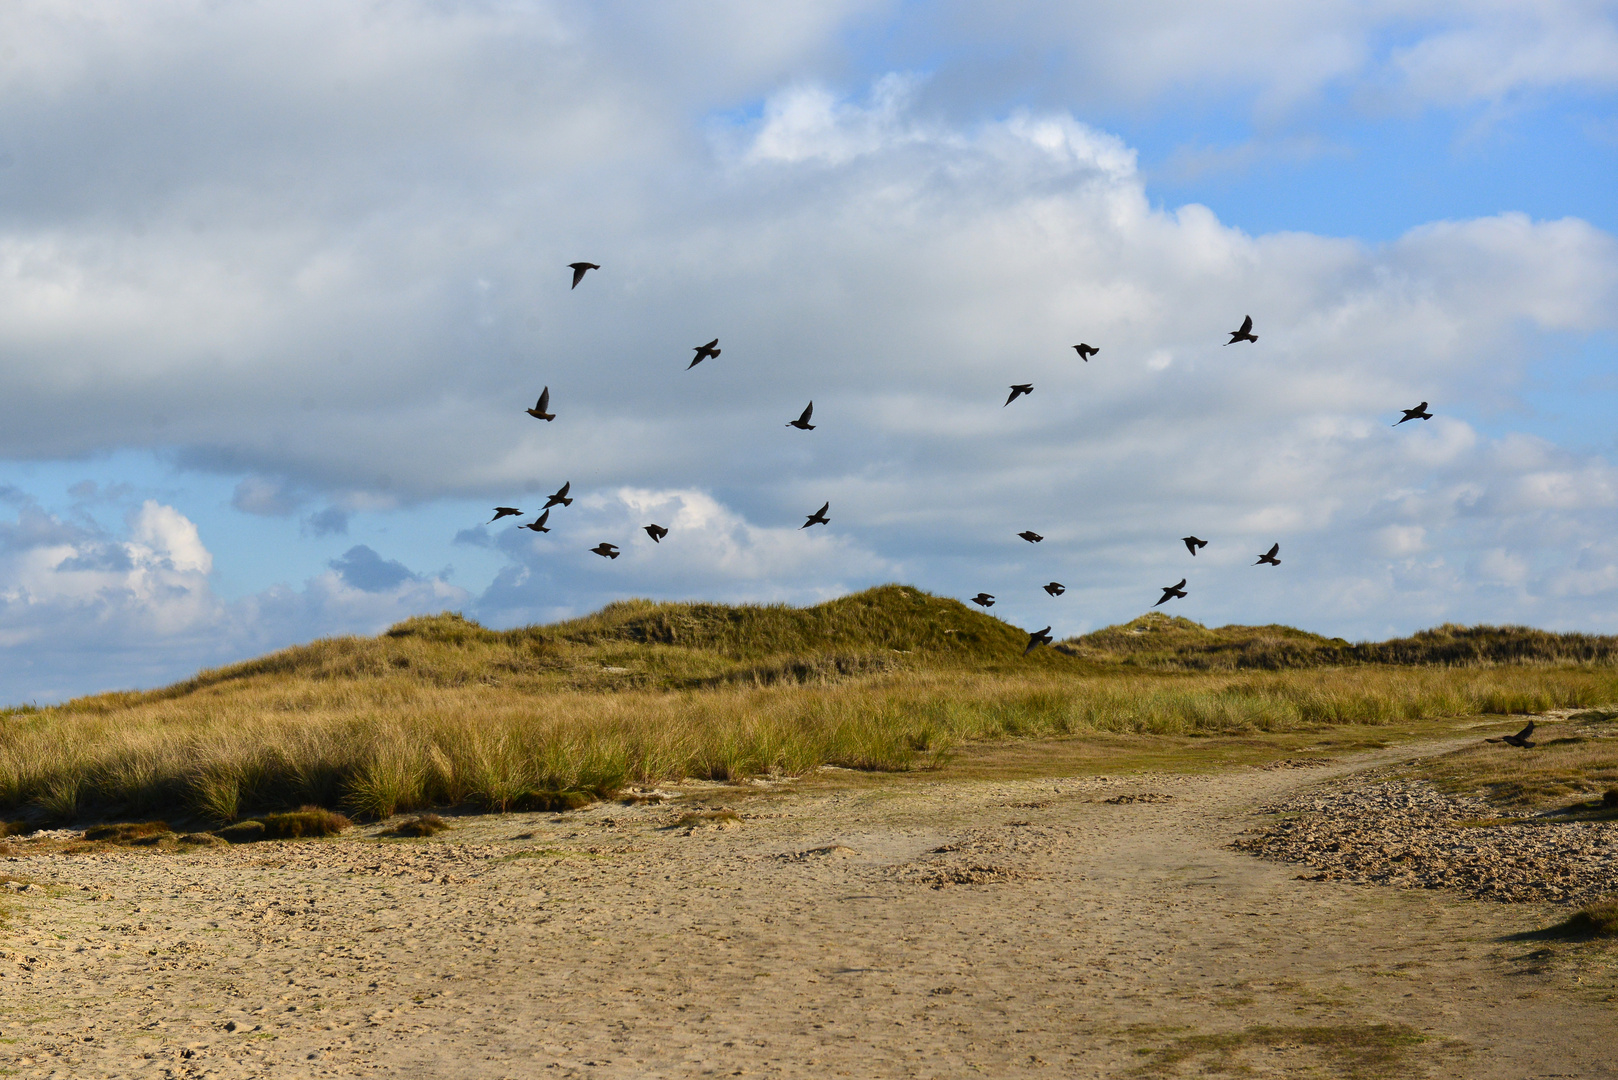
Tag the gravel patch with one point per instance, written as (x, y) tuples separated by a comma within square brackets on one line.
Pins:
[(1407, 834)]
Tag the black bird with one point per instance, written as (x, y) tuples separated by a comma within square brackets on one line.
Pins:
[(606, 550), (1521, 739), (704, 352), (538, 411), (560, 498), (1244, 334), (802, 423), (1174, 591), (578, 271), (1056, 588), (818, 517), (1085, 351), (1043, 637), (502, 511), (1418, 413), (656, 532), (1031, 536), (1269, 556), (983, 599), (1017, 390), (538, 524), (1192, 543)]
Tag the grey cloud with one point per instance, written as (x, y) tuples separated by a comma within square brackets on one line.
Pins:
[(332, 521), (268, 498), (362, 568)]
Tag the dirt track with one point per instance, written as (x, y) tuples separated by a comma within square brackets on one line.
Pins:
[(903, 927)]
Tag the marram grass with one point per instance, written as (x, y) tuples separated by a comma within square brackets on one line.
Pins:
[(446, 713)]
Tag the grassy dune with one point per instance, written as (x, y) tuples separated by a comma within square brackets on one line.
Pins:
[(439, 711)]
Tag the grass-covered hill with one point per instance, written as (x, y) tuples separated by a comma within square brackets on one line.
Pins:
[(1168, 643), (439, 711)]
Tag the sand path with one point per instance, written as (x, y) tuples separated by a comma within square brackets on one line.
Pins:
[(894, 927)]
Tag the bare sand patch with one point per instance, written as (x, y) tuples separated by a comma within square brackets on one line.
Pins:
[(894, 927)]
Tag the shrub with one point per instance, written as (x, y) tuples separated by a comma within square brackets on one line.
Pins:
[(420, 825), (302, 822), (1597, 920), (127, 832)]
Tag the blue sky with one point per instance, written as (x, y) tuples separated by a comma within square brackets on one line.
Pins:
[(276, 284)]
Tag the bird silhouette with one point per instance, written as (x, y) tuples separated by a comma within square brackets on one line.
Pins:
[(605, 550), (1031, 536), (704, 352), (538, 411), (578, 269), (1269, 556), (983, 599), (818, 517), (560, 498), (1056, 588), (538, 524), (656, 532), (1018, 390), (1244, 334), (1172, 591), (1085, 351), (1042, 637), (1192, 543), (1521, 739), (502, 511), (802, 423), (1418, 413)]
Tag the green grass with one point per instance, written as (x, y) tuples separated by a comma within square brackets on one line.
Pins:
[(442, 712)]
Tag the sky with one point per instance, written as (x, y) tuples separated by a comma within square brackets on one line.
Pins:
[(278, 281)]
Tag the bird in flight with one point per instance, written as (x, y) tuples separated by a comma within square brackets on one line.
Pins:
[(578, 269), (1031, 536), (704, 352), (802, 423), (1192, 543), (656, 532), (1042, 637), (560, 498), (606, 550), (1172, 591), (818, 517), (1269, 556), (1521, 739), (502, 511), (1244, 334), (1056, 588), (538, 524), (1418, 413), (538, 412), (983, 599), (1085, 351), (1017, 390)]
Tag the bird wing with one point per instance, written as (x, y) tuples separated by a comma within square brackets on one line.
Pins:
[(1273, 549), (821, 512), (544, 400), (543, 518), (1527, 731), (1247, 324), (1421, 408), (710, 345), (578, 276), (1181, 585), (563, 491), (804, 419)]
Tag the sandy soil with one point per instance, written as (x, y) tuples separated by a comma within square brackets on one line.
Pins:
[(894, 927)]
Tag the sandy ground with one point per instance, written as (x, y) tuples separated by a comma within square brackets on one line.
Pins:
[(888, 927)]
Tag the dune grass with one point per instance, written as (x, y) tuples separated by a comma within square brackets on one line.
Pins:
[(441, 712)]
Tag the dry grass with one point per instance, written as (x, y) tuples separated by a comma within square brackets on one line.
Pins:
[(1597, 920), (420, 825), (442, 712), (1575, 759)]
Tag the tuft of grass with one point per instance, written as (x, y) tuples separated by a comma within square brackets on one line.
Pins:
[(127, 831), (306, 821), (420, 825), (1599, 920)]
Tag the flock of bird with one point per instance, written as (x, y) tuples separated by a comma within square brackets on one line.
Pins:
[(1177, 591)]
